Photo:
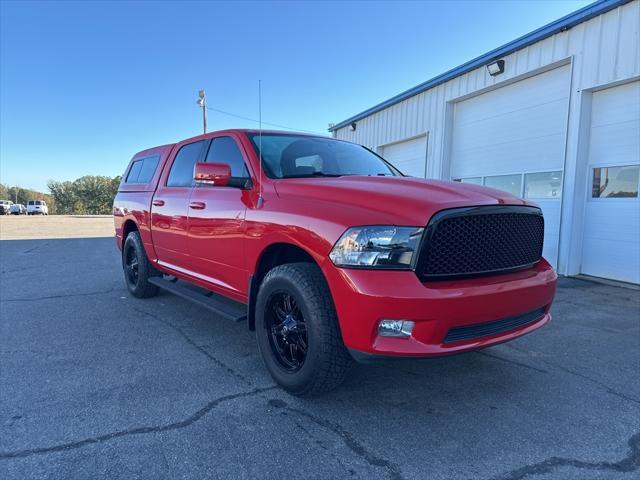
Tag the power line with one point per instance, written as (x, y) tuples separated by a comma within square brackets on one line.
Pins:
[(263, 122)]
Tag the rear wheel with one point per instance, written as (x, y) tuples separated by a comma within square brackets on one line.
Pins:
[(137, 268), (297, 330)]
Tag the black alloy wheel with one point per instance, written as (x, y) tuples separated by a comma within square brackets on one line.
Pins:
[(131, 266), (137, 268), (287, 331), (298, 332)]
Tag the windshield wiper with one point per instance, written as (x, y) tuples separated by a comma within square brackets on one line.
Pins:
[(316, 174)]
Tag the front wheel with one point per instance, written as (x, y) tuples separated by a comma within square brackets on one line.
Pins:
[(297, 330), (137, 268)]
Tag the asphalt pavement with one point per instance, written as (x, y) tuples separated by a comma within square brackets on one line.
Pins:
[(97, 384)]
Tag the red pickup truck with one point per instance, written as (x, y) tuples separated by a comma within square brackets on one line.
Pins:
[(329, 252)]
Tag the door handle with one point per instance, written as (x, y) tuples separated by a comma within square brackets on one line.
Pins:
[(158, 203), (197, 205)]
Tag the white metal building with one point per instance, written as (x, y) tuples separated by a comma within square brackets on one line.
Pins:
[(560, 124)]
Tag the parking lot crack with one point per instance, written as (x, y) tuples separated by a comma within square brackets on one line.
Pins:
[(604, 386), (69, 295), (34, 248), (513, 362), (200, 348), (347, 438), (630, 463), (190, 420)]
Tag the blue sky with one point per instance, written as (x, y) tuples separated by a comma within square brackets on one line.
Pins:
[(85, 85)]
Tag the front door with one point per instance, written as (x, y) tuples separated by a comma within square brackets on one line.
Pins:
[(170, 206), (216, 223)]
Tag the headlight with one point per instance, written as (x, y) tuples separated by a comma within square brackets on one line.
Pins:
[(377, 247)]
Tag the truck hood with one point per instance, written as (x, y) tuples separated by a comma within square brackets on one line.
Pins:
[(398, 200)]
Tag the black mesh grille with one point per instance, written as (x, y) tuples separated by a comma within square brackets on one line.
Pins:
[(479, 330), (481, 240)]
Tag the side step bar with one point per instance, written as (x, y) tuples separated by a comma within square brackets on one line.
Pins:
[(222, 306)]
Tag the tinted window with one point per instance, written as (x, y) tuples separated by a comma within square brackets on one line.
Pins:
[(142, 170), (615, 182), (149, 166), (225, 150), (134, 172), (30, 202), (181, 174), (38, 202)]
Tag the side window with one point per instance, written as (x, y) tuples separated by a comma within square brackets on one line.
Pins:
[(142, 170), (225, 150), (181, 174), (134, 172)]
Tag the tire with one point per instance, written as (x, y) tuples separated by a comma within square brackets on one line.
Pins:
[(319, 361), (137, 268)]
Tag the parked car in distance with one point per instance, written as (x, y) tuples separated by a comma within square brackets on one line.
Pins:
[(329, 252), (18, 209), (5, 207), (37, 207)]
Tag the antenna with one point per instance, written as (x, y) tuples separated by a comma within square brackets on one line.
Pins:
[(260, 199)]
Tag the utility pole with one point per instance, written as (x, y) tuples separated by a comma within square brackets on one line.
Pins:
[(202, 102)]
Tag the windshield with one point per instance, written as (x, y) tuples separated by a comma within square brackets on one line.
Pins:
[(297, 156)]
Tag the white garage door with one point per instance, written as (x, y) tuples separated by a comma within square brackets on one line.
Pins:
[(512, 138), (410, 156), (611, 241)]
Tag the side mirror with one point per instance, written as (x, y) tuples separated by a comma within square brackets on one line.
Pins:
[(217, 174)]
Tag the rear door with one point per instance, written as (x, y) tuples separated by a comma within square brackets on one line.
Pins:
[(216, 222), (170, 206)]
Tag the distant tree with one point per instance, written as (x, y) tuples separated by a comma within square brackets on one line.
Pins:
[(88, 195), (64, 197)]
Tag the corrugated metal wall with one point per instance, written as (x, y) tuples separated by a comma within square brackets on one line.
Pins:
[(603, 50)]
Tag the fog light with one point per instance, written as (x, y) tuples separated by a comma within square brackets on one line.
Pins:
[(395, 328)]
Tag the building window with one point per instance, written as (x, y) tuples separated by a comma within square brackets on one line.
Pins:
[(473, 180), (543, 185), (615, 182), (508, 183)]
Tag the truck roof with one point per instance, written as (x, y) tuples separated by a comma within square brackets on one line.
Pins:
[(168, 146)]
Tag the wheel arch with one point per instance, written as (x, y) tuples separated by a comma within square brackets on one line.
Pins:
[(273, 255), (128, 227)]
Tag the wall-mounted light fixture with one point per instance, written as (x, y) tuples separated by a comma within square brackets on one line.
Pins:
[(353, 126), (496, 68)]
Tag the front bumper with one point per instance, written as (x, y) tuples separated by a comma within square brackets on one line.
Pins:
[(364, 297)]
